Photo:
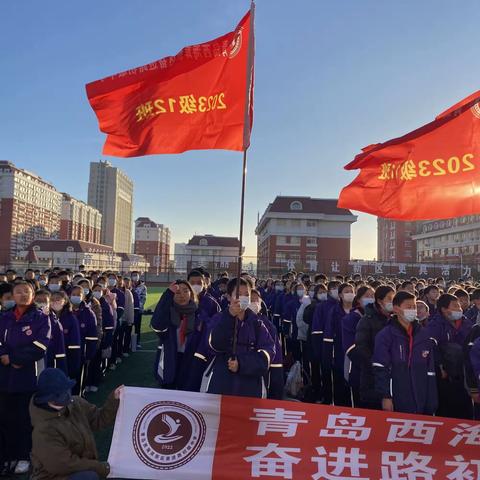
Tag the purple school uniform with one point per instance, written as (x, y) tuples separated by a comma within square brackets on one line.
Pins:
[(255, 350), (108, 323), (318, 325), (208, 305), (88, 331), (56, 355), (475, 361), (25, 341), (71, 335), (120, 301), (404, 368), (352, 365)]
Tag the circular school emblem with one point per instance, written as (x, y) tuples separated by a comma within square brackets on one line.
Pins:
[(167, 435), (28, 332), (235, 46), (476, 110)]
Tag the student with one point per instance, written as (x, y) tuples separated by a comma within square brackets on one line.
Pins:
[(206, 303), (365, 296), (333, 363), (240, 369), (289, 323), (423, 313), (403, 362), (376, 317), (6, 298), (54, 283), (141, 291), (178, 323), (431, 295), (56, 355), (473, 312), (24, 338), (275, 379), (88, 335), (450, 330), (63, 442), (463, 298), (115, 286)]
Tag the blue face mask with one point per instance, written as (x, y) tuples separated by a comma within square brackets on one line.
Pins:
[(367, 301), (8, 304), (112, 282), (54, 287), (76, 300)]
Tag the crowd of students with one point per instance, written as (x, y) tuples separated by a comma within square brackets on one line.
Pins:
[(79, 323), (409, 346)]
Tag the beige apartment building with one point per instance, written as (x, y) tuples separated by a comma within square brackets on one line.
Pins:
[(111, 192)]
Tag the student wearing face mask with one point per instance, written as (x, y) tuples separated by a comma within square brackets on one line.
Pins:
[(6, 298), (178, 322), (54, 283), (60, 305), (277, 302), (93, 303), (289, 322), (335, 387), (63, 441), (326, 302), (141, 290), (376, 317), (450, 330), (423, 313), (365, 296), (99, 364), (403, 362), (206, 303), (88, 335), (275, 379), (56, 355), (114, 285), (240, 372), (473, 313), (24, 338)]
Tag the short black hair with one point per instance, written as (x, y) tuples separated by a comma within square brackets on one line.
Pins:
[(445, 300), (382, 291), (462, 293), (5, 288), (232, 284), (475, 295), (400, 297), (429, 289)]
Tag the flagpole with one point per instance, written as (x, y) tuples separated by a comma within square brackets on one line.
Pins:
[(246, 143)]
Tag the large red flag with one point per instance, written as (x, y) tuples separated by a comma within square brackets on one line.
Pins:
[(202, 98), (430, 173)]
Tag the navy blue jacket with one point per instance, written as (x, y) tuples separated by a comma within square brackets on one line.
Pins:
[(120, 302), (56, 355), (318, 325), (475, 363), (255, 351), (332, 353), (88, 331), (352, 363), (404, 368), (108, 323), (184, 371), (208, 305), (25, 341), (73, 347)]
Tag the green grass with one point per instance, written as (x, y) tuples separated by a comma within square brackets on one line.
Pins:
[(135, 371)]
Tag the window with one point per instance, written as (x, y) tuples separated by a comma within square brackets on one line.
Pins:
[(203, 242), (311, 223), (296, 205), (69, 249), (311, 242), (294, 240)]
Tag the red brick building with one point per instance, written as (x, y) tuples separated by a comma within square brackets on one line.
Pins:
[(395, 243), (79, 221), (29, 210), (152, 240), (303, 233)]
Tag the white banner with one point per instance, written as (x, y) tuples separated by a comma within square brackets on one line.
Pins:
[(157, 431)]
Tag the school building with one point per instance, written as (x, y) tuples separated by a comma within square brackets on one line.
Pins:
[(303, 233)]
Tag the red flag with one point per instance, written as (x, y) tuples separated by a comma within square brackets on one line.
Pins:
[(202, 98), (430, 173)]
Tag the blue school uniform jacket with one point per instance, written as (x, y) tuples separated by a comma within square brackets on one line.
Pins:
[(183, 371), (108, 324), (88, 331), (332, 353), (404, 368), (255, 351), (25, 341), (56, 355), (318, 325), (120, 302), (352, 364), (73, 346), (475, 363), (208, 305)]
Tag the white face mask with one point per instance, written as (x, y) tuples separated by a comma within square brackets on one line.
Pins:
[(300, 292), (255, 307), (410, 315), (456, 315), (334, 294), (388, 307), (244, 302), (348, 297), (197, 289), (97, 294), (311, 294), (322, 296)]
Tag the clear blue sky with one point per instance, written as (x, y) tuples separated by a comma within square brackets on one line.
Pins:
[(331, 77)]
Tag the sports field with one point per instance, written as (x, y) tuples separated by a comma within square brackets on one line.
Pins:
[(137, 370)]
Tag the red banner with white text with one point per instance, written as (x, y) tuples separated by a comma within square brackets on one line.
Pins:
[(192, 435)]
